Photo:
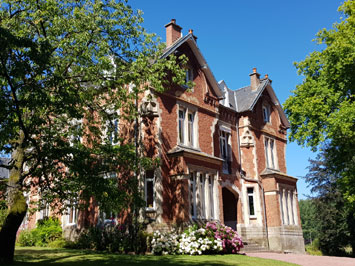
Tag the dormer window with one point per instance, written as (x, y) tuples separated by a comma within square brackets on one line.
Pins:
[(189, 75), (266, 113)]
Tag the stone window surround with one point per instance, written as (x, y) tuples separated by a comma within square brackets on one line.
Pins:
[(206, 205), (271, 159), (116, 128), (288, 204), (266, 110), (147, 208), (226, 130), (188, 109)]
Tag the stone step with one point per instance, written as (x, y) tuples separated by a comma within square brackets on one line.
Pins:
[(253, 247)]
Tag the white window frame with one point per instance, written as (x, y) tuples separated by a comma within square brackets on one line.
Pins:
[(109, 136), (270, 153), (187, 130), (181, 125), (74, 210), (266, 113), (252, 195), (146, 180)]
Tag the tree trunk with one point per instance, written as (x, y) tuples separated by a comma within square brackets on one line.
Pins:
[(8, 236), (16, 203)]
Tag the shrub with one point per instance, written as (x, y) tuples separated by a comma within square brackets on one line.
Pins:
[(165, 243), (210, 239), (231, 241), (58, 243), (26, 239), (3, 212), (119, 238), (47, 231)]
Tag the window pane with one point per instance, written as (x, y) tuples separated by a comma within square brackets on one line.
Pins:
[(272, 153), (181, 125), (267, 152), (202, 195), (150, 191), (250, 191), (190, 128), (192, 195), (149, 188)]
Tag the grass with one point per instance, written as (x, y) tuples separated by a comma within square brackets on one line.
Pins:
[(67, 257)]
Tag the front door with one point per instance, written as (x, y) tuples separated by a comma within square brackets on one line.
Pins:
[(230, 202)]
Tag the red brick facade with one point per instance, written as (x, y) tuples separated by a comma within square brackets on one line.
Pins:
[(222, 155)]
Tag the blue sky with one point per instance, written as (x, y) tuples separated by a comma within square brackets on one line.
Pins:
[(235, 36)]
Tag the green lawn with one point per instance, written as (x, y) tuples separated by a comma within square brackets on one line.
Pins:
[(67, 257)]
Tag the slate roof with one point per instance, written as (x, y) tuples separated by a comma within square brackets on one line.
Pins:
[(4, 173), (246, 97)]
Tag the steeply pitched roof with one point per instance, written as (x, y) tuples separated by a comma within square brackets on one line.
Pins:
[(4, 173), (190, 40), (246, 98), (229, 97)]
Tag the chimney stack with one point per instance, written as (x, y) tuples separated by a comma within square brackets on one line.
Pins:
[(254, 79), (173, 32)]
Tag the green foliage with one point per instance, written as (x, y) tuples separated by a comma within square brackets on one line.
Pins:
[(48, 230), (331, 217), (3, 212), (308, 214), (80, 57), (321, 109), (59, 243), (67, 69), (113, 239), (313, 248)]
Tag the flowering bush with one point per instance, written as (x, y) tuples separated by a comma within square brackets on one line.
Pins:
[(165, 243), (231, 241), (196, 241), (210, 239)]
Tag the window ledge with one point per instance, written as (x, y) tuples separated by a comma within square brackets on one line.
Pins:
[(189, 147), (148, 209)]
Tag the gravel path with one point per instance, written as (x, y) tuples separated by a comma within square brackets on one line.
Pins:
[(306, 260)]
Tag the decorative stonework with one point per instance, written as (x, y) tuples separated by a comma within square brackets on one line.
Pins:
[(247, 140), (149, 106)]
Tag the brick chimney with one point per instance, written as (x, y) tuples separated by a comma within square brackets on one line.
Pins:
[(173, 32), (254, 79)]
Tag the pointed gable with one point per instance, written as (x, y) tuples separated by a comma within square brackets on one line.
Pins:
[(191, 42)]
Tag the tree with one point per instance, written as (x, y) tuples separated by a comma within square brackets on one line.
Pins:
[(332, 219), (321, 109), (308, 214), (64, 67)]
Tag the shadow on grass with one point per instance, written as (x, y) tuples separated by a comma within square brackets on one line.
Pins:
[(66, 257)]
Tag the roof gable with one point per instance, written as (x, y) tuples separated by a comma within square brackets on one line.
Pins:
[(190, 40), (247, 99)]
